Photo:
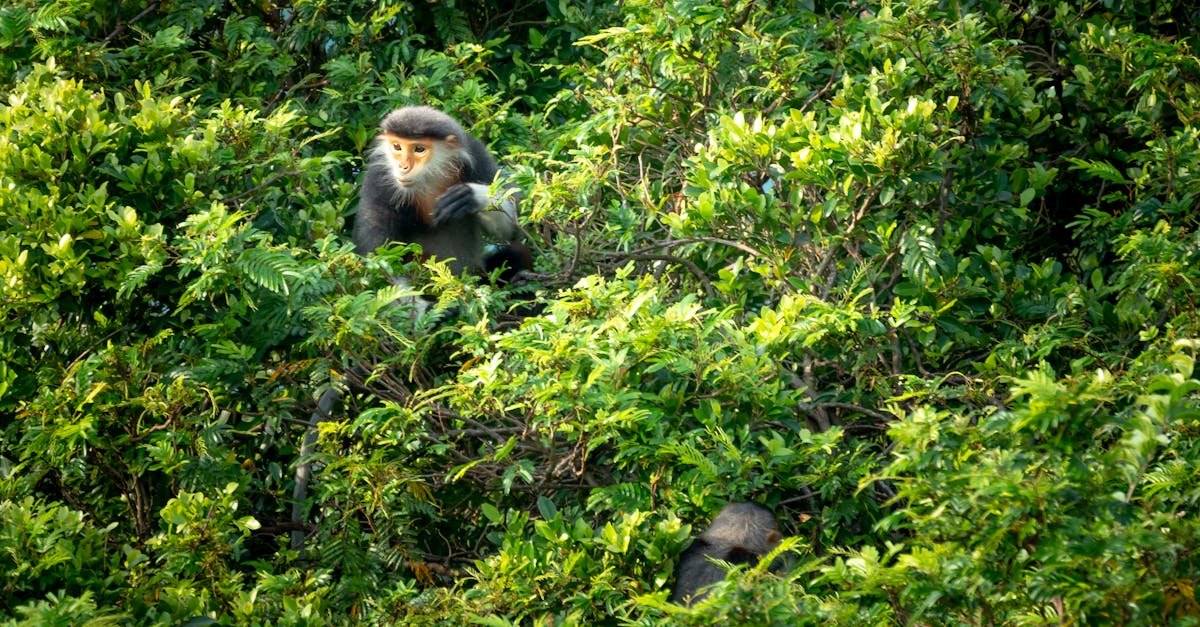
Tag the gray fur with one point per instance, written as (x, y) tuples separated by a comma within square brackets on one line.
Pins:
[(740, 534)]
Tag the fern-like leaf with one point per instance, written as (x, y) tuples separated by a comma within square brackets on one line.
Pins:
[(267, 268)]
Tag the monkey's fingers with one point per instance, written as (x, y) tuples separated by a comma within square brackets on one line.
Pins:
[(457, 202)]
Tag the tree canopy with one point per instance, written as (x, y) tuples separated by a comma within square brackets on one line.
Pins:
[(920, 276)]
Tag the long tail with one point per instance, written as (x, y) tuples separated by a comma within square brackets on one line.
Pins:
[(304, 467)]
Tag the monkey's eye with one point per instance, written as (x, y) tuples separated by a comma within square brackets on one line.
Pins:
[(397, 147), (419, 149)]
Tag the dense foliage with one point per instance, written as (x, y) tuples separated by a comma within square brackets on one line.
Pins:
[(920, 276)]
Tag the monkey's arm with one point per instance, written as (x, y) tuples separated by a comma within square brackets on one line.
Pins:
[(471, 198), (367, 239), (378, 223), (460, 201), (499, 226)]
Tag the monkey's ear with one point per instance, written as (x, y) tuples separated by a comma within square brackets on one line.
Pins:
[(452, 140), (773, 537)]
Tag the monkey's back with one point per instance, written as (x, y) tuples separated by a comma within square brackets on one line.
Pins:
[(746, 525), (740, 534), (695, 571)]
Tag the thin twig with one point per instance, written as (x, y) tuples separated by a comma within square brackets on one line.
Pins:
[(121, 27)]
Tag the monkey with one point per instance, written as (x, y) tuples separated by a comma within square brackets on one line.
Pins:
[(427, 183), (740, 534)]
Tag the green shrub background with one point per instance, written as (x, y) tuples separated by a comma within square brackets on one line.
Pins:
[(920, 276)]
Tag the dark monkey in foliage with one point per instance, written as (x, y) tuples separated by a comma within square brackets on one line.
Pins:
[(740, 534), (426, 183)]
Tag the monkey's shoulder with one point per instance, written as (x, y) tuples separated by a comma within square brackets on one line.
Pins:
[(481, 166)]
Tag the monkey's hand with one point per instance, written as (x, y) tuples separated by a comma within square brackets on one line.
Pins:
[(459, 201)]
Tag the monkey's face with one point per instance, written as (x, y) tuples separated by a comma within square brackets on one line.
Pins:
[(419, 161)]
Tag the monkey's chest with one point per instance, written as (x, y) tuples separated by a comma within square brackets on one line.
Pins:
[(460, 241)]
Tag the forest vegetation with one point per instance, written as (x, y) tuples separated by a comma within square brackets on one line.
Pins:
[(919, 276)]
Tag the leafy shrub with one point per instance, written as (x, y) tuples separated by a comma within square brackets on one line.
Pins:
[(919, 276)]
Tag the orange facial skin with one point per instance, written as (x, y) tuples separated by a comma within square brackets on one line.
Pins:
[(410, 155), (423, 167)]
